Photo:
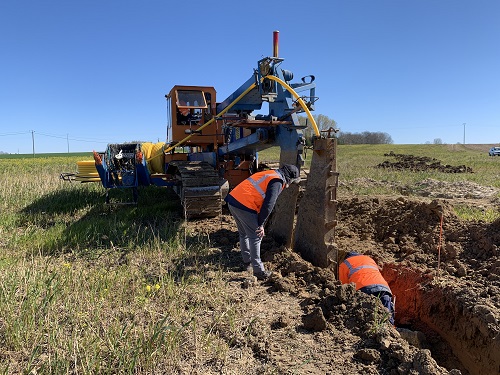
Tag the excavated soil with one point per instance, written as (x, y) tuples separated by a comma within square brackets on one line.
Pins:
[(420, 163), (444, 272)]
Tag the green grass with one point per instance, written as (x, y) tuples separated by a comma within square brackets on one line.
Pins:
[(91, 289), (474, 213), (86, 288), (358, 161), (80, 155)]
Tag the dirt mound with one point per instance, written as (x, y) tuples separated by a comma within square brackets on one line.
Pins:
[(303, 321), (445, 274), (421, 163)]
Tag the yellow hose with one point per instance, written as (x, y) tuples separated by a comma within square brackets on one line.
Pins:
[(86, 163), (157, 157), (87, 171), (299, 100), (146, 148)]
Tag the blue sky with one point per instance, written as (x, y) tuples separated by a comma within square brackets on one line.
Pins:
[(86, 73)]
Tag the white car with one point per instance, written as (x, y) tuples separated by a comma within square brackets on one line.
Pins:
[(494, 151)]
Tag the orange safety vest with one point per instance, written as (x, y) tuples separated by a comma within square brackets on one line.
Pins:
[(184, 111), (252, 191), (361, 270)]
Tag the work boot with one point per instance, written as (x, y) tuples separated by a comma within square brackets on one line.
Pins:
[(263, 276), (245, 266)]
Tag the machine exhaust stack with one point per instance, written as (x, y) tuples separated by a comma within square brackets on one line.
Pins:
[(276, 35)]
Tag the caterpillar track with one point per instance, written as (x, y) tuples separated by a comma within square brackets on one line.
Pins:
[(201, 190)]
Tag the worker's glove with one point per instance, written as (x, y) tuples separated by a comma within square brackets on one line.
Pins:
[(260, 231)]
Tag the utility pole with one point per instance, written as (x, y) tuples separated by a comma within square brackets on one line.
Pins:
[(33, 141), (464, 132)]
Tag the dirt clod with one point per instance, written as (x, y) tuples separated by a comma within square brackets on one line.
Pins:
[(314, 320)]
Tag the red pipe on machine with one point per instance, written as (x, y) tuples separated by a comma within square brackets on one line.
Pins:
[(276, 34)]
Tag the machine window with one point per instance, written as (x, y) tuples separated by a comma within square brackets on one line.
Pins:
[(191, 98), (190, 106)]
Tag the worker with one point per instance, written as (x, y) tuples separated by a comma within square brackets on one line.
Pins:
[(365, 273), (251, 202), (183, 114)]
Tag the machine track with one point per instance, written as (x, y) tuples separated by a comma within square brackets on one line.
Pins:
[(200, 189)]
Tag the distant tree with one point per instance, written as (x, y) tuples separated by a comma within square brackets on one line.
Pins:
[(372, 138), (323, 122), (438, 141)]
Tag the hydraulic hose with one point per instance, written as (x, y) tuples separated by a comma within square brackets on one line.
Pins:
[(299, 100)]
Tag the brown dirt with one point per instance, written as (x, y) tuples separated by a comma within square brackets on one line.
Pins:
[(445, 276), (420, 163)]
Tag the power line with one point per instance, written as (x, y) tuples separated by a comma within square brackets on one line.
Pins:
[(66, 137), (17, 133)]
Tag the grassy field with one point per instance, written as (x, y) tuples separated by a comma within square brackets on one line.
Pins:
[(86, 288), (358, 161), (52, 155)]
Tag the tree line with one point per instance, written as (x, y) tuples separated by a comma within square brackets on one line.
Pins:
[(326, 124)]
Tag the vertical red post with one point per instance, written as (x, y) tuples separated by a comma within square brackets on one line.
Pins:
[(276, 34)]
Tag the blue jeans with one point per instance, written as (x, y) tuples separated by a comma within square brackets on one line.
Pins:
[(386, 299), (385, 296), (249, 241)]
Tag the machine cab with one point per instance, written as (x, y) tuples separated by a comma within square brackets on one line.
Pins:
[(188, 108)]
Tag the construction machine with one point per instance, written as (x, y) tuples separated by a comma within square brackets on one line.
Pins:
[(213, 145)]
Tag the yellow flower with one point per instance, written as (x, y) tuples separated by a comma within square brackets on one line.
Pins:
[(157, 286), (148, 288), (68, 265)]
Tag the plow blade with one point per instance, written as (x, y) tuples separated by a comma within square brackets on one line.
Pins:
[(317, 213)]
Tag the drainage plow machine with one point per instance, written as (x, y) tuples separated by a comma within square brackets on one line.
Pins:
[(213, 145)]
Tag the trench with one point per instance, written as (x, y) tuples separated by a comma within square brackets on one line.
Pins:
[(456, 335)]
